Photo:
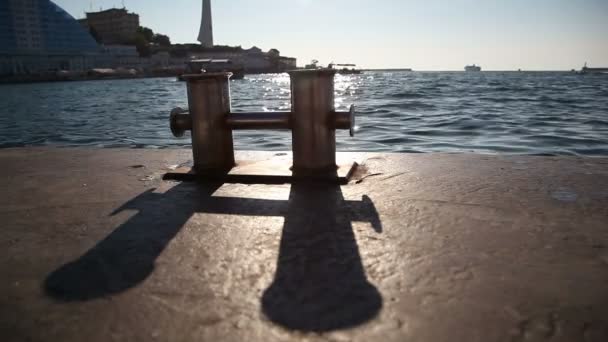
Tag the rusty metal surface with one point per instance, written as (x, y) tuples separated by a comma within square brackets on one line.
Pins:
[(180, 121), (345, 120), (209, 103), (431, 247), (258, 120), (312, 105)]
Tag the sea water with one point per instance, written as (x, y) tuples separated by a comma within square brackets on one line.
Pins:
[(536, 113)]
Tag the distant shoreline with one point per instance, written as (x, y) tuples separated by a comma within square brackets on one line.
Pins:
[(84, 76), (510, 70), (390, 69), (75, 77)]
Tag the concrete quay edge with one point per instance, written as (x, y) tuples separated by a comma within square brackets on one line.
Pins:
[(418, 247)]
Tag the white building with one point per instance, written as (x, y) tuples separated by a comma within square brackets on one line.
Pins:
[(205, 36)]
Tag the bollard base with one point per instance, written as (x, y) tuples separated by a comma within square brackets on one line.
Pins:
[(276, 170)]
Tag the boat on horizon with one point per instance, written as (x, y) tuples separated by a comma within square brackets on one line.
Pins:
[(314, 64), (588, 70), (200, 66), (345, 69), (472, 68)]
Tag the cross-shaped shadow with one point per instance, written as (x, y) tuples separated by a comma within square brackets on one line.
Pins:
[(319, 285)]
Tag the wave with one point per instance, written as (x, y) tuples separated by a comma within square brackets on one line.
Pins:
[(511, 113)]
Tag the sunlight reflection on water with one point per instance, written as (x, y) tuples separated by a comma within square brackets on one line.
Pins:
[(489, 112)]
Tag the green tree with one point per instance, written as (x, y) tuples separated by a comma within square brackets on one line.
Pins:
[(145, 36), (142, 45), (146, 33), (161, 40)]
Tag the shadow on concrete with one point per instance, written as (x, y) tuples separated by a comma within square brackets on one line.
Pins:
[(126, 257), (320, 284)]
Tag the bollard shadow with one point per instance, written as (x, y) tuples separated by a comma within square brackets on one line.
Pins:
[(126, 257), (319, 285)]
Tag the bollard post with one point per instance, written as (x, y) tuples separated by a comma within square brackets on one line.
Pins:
[(209, 101), (312, 121)]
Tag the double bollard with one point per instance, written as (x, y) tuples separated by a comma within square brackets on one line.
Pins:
[(312, 120)]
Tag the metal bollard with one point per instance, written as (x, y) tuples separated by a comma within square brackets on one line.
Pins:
[(209, 103), (312, 120)]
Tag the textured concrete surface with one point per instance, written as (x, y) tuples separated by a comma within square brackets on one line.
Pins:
[(95, 246)]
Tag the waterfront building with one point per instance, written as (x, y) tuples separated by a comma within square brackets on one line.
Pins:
[(38, 36), (120, 56), (113, 26), (39, 39), (253, 60), (205, 36)]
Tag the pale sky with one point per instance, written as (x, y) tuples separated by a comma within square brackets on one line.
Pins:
[(419, 34)]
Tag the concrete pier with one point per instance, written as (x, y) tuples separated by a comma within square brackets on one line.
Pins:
[(95, 246)]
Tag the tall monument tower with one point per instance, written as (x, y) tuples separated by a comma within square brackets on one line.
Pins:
[(206, 34)]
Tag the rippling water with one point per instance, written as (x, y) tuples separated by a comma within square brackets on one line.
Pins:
[(489, 112)]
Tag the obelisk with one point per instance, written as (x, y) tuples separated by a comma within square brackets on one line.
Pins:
[(206, 34)]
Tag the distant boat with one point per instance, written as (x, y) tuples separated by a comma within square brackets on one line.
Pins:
[(472, 68), (200, 66), (345, 69), (314, 64), (587, 70)]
